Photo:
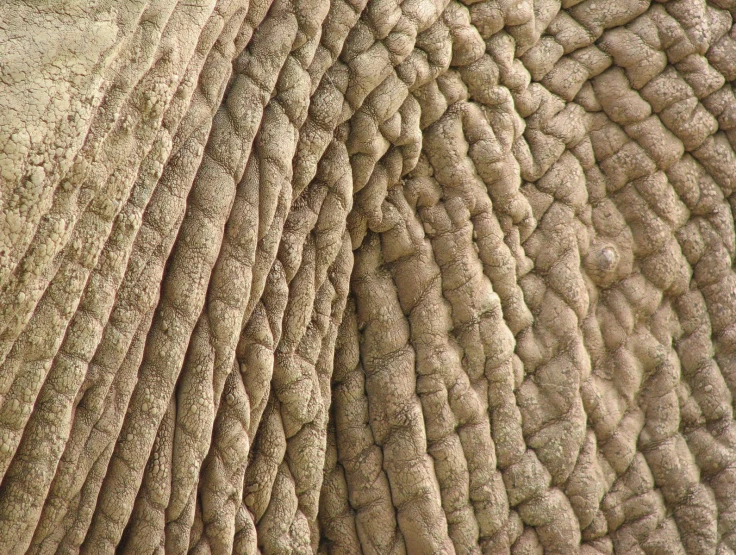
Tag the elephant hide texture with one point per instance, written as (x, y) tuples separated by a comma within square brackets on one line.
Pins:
[(367, 276)]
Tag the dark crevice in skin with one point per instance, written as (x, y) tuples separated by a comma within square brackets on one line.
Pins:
[(378, 276)]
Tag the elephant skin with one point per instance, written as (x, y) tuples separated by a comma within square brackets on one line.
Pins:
[(367, 276)]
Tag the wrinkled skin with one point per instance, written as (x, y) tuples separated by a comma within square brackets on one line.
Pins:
[(367, 276)]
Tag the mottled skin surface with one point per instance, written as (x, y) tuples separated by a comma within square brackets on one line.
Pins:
[(367, 276)]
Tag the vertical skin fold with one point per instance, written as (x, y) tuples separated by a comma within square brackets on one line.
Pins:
[(367, 276)]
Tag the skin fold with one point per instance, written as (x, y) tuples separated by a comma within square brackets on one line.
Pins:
[(367, 276)]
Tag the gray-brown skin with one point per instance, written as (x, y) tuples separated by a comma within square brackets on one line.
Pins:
[(367, 276)]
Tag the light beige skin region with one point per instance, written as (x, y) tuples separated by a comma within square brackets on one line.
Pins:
[(368, 276)]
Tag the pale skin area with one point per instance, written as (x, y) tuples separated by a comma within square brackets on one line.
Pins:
[(367, 276)]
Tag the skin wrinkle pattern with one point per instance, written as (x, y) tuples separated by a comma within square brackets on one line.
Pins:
[(368, 276)]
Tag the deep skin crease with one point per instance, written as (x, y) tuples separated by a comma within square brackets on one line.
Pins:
[(367, 276)]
